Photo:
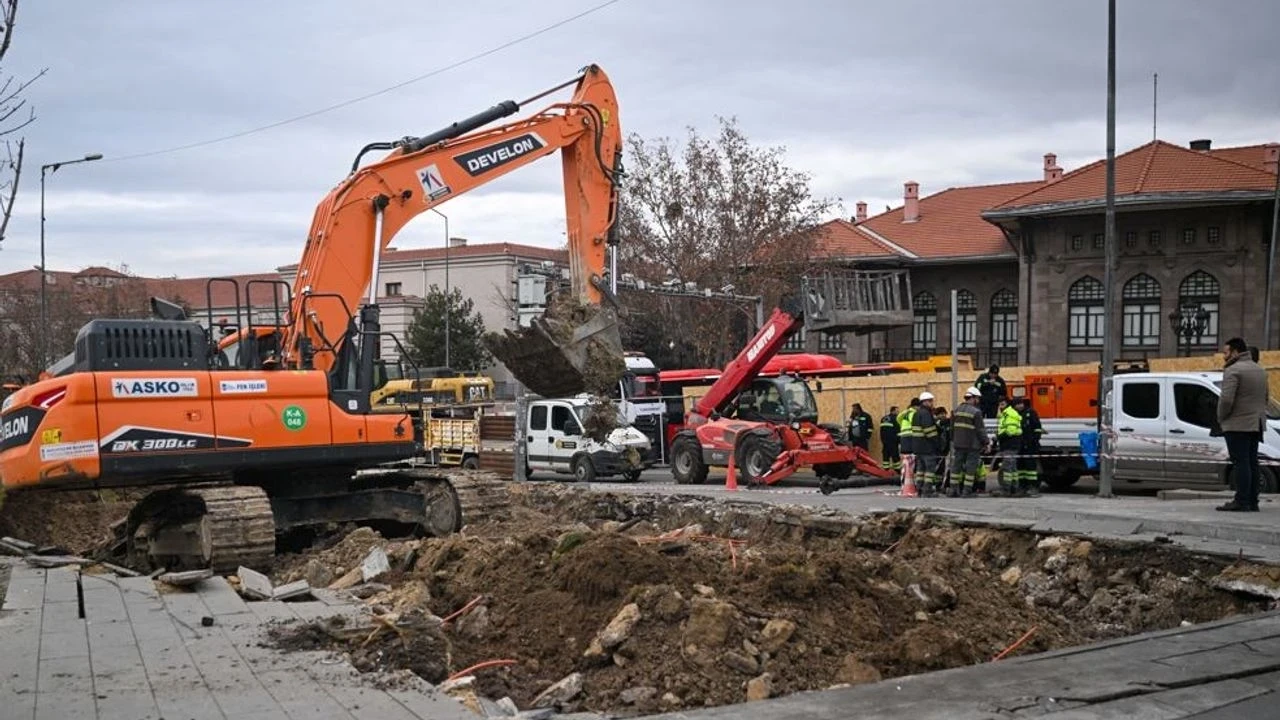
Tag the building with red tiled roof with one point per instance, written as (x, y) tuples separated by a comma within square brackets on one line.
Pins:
[(1193, 228), (485, 273)]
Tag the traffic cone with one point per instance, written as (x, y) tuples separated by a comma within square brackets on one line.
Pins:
[(908, 481), (730, 479)]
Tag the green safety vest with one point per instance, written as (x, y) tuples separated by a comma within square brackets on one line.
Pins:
[(905, 420), (1009, 424)]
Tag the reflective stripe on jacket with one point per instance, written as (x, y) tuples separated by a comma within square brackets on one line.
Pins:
[(967, 427)]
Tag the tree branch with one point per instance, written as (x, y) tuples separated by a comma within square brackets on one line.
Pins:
[(6, 204)]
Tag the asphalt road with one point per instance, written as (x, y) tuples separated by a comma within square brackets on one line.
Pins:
[(807, 479)]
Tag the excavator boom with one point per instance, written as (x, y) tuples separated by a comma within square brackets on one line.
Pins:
[(360, 217)]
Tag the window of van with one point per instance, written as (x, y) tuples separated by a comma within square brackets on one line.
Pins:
[(562, 420), (1141, 400), (538, 417), (1195, 404)]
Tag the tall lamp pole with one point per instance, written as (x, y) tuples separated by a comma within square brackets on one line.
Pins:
[(1105, 465), (50, 169), (448, 294)]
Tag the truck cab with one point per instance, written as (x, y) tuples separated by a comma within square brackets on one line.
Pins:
[(639, 396), (557, 442)]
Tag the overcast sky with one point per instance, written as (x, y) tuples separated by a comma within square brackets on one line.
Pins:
[(864, 95)]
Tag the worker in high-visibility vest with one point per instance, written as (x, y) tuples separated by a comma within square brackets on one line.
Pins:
[(1009, 438), (969, 439), (927, 446), (906, 438)]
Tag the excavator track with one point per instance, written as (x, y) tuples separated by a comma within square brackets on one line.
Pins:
[(238, 528), (482, 495), (220, 527)]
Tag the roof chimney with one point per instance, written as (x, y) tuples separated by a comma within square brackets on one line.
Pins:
[(456, 242), (1271, 157), (861, 212), (1201, 145), (911, 201), (1052, 173)]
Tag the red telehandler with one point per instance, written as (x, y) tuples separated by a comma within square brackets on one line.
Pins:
[(768, 425)]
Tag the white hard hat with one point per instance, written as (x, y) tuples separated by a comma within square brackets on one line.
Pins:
[(926, 396), (973, 392)]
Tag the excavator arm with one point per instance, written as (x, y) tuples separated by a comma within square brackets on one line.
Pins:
[(359, 218)]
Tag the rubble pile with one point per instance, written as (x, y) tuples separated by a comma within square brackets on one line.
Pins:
[(591, 601)]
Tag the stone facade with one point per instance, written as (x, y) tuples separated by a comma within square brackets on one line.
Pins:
[(1228, 243)]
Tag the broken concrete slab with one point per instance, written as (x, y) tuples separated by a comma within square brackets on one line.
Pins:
[(299, 588), (253, 584), (54, 561), (374, 564)]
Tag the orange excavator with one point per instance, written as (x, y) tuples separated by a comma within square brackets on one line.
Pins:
[(269, 427)]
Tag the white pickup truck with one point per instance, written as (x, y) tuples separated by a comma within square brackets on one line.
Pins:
[(1162, 422), (555, 442)]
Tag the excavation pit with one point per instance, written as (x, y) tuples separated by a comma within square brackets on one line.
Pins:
[(634, 605)]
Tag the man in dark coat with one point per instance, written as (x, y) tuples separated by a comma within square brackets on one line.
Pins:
[(993, 390)]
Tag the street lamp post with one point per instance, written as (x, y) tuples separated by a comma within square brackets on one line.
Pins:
[(50, 169), (1188, 322), (448, 296)]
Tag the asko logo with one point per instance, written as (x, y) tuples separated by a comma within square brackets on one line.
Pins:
[(154, 387), (758, 346)]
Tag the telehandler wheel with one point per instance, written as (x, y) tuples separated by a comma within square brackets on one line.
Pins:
[(756, 454), (687, 466), (471, 462)]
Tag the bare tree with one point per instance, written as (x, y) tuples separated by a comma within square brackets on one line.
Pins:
[(15, 114), (714, 213), (72, 302)]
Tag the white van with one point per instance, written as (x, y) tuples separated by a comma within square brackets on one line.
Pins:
[(556, 443), (1163, 425)]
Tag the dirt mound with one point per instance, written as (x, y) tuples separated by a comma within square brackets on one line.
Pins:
[(77, 521), (633, 605), (549, 363)]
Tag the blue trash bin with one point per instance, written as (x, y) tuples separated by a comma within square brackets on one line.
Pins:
[(1089, 448)]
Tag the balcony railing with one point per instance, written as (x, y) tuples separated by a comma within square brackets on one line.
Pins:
[(858, 301)]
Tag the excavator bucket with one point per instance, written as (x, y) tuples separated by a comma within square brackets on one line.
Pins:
[(563, 353)]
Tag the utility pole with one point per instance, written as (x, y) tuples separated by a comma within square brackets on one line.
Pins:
[(1271, 269), (50, 169), (1155, 102), (448, 291), (955, 352), (1105, 373)]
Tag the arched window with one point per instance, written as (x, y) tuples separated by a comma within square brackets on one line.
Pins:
[(1141, 313), (924, 329), (1004, 321), (1200, 290), (1086, 321), (966, 321)]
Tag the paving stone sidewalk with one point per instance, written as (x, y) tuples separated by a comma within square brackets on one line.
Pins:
[(106, 648)]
